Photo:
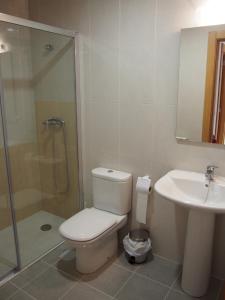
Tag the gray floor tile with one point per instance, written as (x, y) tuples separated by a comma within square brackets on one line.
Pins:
[(174, 295), (55, 255), (29, 274), (109, 279), (7, 290), (212, 294), (84, 292), (33, 241), (160, 269), (67, 263), (142, 288), (20, 295), (50, 285)]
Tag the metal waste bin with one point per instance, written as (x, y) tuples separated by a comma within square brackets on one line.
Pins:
[(137, 246)]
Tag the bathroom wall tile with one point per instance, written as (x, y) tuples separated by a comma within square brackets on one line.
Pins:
[(85, 85), (103, 122), (143, 289), (137, 34), (135, 134), (170, 18), (101, 139), (136, 82), (104, 22), (137, 23), (104, 62)]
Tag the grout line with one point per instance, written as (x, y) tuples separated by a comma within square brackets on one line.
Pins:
[(138, 268), (119, 83), (96, 289), (22, 290), (122, 267), (172, 285), (16, 291), (146, 277), (120, 289), (39, 259), (49, 267), (30, 281), (167, 259), (67, 292), (151, 279)]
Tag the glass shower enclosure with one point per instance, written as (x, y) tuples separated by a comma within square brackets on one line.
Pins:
[(39, 180)]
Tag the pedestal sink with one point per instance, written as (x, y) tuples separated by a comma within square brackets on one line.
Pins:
[(204, 199)]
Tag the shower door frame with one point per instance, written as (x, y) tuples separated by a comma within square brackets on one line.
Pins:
[(78, 113)]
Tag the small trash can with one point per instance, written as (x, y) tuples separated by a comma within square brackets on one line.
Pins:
[(137, 246)]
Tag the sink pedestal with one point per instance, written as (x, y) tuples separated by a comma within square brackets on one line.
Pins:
[(198, 252)]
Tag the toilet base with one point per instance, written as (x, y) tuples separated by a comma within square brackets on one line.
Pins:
[(91, 258)]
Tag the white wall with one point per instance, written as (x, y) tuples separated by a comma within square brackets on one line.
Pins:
[(129, 60)]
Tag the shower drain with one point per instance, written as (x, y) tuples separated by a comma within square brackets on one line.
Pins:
[(46, 227)]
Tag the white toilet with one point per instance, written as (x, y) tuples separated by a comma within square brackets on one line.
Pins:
[(93, 231)]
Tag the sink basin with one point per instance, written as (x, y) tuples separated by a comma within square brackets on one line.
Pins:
[(204, 200), (193, 190)]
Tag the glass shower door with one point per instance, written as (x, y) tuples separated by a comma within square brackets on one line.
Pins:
[(8, 253), (39, 109)]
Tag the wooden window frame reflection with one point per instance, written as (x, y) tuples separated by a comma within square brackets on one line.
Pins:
[(214, 38)]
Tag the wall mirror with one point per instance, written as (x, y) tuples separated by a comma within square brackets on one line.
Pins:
[(201, 96)]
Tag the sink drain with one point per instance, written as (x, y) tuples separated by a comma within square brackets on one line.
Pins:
[(46, 227)]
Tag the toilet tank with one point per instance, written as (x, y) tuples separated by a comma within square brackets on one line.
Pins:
[(112, 190)]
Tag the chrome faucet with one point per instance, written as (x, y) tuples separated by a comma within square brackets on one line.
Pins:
[(210, 172)]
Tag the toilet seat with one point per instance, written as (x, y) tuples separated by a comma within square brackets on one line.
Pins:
[(89, 224)]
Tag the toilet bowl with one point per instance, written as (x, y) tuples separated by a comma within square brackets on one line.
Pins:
[(93, 231)]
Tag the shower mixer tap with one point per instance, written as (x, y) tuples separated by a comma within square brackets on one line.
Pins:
[(58, 123), (54, 122)]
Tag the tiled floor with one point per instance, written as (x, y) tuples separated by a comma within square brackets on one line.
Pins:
[(33, 241), (55, 277)]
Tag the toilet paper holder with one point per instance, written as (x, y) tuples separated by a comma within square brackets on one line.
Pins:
[(142, 182), (143, 190)]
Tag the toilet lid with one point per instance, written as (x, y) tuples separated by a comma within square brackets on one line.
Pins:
[(88, 224)]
